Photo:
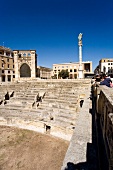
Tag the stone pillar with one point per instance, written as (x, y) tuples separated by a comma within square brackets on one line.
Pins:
[(4, 53), (16, 64), (33, 64), (80, 70), (57, 74), (80, 55)]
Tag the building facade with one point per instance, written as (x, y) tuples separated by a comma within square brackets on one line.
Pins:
[(7, 66), (44, 72), (25, 63), (17, 64), (106, 66), (73, 69)]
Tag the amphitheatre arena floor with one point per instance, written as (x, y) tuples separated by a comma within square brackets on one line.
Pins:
[(28, 150)]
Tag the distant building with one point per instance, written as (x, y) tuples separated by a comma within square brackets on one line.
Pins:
[(106, 66), (7, 67), (97, 70), (44, 72), (73, 69)]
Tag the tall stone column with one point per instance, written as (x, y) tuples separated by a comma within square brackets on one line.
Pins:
[(4, 53), (80, 71), (33, 64), (16, 64)]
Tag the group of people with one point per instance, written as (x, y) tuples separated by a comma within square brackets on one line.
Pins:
[(104, 80)]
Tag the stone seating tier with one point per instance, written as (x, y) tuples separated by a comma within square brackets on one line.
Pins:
[(51, 104)]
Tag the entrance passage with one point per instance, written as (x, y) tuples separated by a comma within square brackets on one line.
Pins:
[(25, 70)]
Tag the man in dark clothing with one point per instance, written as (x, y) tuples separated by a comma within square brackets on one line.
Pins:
[(106, 81)]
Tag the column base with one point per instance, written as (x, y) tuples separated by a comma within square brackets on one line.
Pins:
[(80, 74)]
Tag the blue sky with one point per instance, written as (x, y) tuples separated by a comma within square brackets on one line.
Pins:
[(52, 27)]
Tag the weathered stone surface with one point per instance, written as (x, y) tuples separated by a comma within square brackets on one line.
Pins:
[(54, 103)]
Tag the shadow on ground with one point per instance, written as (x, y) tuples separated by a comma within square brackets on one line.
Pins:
[(90, 164)]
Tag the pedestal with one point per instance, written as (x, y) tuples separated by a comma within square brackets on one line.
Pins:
[(80, 74)]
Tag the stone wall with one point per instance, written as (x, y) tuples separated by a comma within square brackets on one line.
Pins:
[(77, 155), (103, 96)]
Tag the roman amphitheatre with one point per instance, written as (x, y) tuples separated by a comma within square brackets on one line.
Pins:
[(38, 119)]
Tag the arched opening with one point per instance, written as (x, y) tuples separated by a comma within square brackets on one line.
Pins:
[(25, 70)]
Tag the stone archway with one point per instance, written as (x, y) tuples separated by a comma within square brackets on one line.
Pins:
[(25, 70)]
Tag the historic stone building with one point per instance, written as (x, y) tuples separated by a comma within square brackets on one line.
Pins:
[(16, 64), (25, 63), (73, 69), (7, 67)]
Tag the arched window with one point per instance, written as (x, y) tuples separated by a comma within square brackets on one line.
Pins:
[(29, 54), (24, 55)]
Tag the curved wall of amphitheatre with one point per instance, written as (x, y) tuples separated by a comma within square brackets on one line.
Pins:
[(44, 106)]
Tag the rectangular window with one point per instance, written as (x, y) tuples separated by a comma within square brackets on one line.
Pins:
[(2, 65), (70, 70), (9, 77), (8, 71), (13, 66), (8, 65), (2, 71), (7, 59)]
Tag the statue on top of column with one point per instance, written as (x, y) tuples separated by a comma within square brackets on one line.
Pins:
[(80, 39)]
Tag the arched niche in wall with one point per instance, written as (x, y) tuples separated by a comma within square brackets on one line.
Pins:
[(25, 70)]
